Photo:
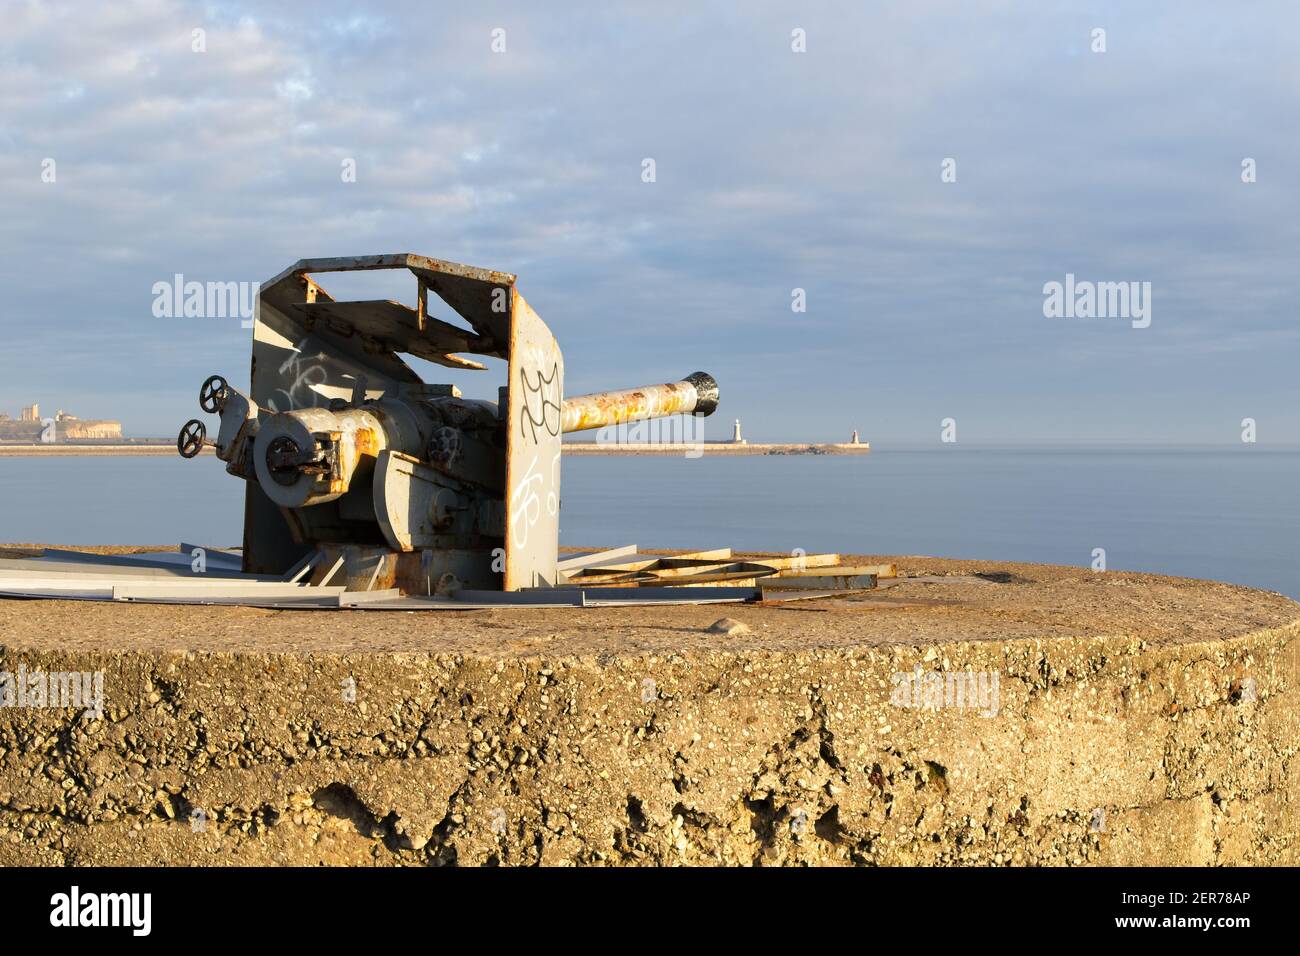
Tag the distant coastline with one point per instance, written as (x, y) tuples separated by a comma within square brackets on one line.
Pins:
[(32, 427)]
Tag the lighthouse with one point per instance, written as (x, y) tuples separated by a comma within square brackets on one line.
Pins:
[(735, 435)]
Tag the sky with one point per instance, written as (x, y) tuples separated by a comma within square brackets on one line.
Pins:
[(921, 171)]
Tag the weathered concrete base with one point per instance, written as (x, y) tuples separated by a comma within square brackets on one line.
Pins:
[(1139, 720)]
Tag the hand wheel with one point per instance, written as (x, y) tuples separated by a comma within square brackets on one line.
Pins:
[(192, 438), (212, 396)]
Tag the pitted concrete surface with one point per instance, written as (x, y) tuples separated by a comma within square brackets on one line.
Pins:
[(1135, 719)]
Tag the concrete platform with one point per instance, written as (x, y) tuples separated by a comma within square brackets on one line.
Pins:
[(1105, 718)]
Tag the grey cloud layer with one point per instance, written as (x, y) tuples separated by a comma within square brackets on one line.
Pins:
[(775, 170)]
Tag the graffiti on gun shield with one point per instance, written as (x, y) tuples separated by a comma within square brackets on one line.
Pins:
[(541, 405)]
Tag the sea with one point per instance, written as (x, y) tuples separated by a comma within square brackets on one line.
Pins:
[(1223, 513)]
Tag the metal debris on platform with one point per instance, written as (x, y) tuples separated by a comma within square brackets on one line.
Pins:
[(614, 578)]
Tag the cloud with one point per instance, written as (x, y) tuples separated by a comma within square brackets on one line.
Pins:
[(775, 170)]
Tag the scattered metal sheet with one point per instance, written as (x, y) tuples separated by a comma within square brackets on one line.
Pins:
[(796, 562), (72, 582), (48, 567), (937, 579), (160, 558), (122, 592), (693, 575), (825, 582), (716, 554), (613, 578), (221, 557), (620, 597), (791, 595), (583, 597), (838, 570), (361, 598), (10, 592), (703, 568), (22, 580), (335, 598), (171, 576), (605, 597), (580, 561), (164, 560)]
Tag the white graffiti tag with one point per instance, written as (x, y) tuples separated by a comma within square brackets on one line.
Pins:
[(526, 505)]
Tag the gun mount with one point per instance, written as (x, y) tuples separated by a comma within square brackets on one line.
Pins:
[(399, 483)]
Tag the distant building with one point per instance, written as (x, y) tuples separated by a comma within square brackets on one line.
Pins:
[(735, 435), (29, 429)]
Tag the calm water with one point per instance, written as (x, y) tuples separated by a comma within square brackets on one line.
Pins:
[(1231, 514)]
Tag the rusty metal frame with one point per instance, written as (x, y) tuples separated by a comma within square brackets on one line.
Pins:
[(306, 352)]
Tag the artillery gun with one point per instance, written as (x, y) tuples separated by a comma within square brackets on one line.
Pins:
[(360, 473)]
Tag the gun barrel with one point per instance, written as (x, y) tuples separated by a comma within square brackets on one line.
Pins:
[(696, 394)]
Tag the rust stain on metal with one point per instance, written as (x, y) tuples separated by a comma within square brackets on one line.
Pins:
[(368, 443), (696, 394)]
